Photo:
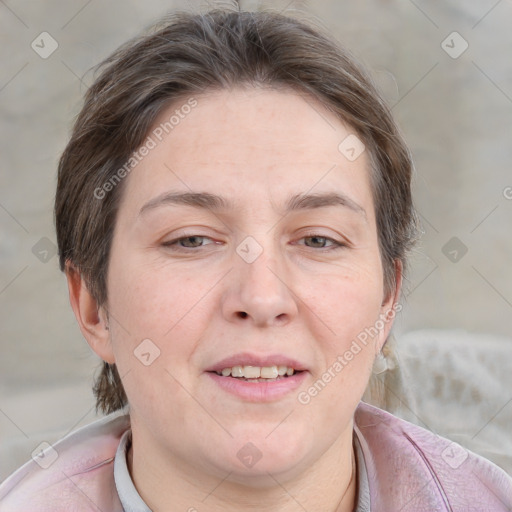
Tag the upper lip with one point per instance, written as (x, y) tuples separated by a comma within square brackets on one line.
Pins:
[(248, 359)]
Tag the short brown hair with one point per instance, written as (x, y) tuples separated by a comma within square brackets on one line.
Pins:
[(187, 54)]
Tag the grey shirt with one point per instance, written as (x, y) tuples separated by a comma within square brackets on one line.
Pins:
[(132, 502)]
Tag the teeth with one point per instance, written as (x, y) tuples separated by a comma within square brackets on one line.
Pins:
[(236, 371), (269, 372), (257, 372), (252, 372)]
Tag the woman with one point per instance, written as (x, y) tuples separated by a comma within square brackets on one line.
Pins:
[(233, 216)]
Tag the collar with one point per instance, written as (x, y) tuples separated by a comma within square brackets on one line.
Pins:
[(128, 495)]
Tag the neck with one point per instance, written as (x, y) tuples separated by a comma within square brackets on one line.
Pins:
[(166, 482)]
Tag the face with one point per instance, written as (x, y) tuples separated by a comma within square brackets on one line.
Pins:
[(266, 276)]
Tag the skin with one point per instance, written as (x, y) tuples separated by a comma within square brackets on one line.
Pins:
[(302, 298)]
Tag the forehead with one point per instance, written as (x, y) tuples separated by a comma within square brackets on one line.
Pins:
[(276, 122), (246, 141)]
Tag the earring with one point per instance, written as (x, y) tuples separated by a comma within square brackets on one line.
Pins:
[(382, 364)]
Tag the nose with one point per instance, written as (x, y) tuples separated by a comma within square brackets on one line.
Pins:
[(259, 292)]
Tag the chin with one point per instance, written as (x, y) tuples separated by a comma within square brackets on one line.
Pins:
[(262, 474), (257, 456)]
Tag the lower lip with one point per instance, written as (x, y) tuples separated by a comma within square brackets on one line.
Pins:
[(259, 391)]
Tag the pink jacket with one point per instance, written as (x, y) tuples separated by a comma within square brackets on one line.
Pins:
[(410, 469)]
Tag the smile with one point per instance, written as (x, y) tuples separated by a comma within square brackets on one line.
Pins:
[(257, 372), (258, 389)]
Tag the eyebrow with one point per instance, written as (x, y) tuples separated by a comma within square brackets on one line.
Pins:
[(215, 202)]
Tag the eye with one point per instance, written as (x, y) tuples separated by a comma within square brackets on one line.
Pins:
[(191, 242), (318, 242), (186, 242)]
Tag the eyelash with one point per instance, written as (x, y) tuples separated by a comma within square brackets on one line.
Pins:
[(173, 244)]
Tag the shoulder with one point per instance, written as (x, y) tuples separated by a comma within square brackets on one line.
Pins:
[(75, 474), (413, 469)]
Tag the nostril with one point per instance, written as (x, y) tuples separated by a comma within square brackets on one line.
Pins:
[(242, 314)]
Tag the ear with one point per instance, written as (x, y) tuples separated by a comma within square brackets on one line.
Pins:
[(390, 307), (92, 319)]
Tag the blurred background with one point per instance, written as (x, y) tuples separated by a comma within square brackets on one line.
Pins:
[(446, 72)]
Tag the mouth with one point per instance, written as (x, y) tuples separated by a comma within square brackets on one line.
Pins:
[(249, 373), (250, 365), (254, 378)]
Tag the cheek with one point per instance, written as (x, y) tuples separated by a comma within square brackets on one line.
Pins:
[(167, 307), (158, 324), (345, 314), (343, 302), (155, 301), (345, 310)]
